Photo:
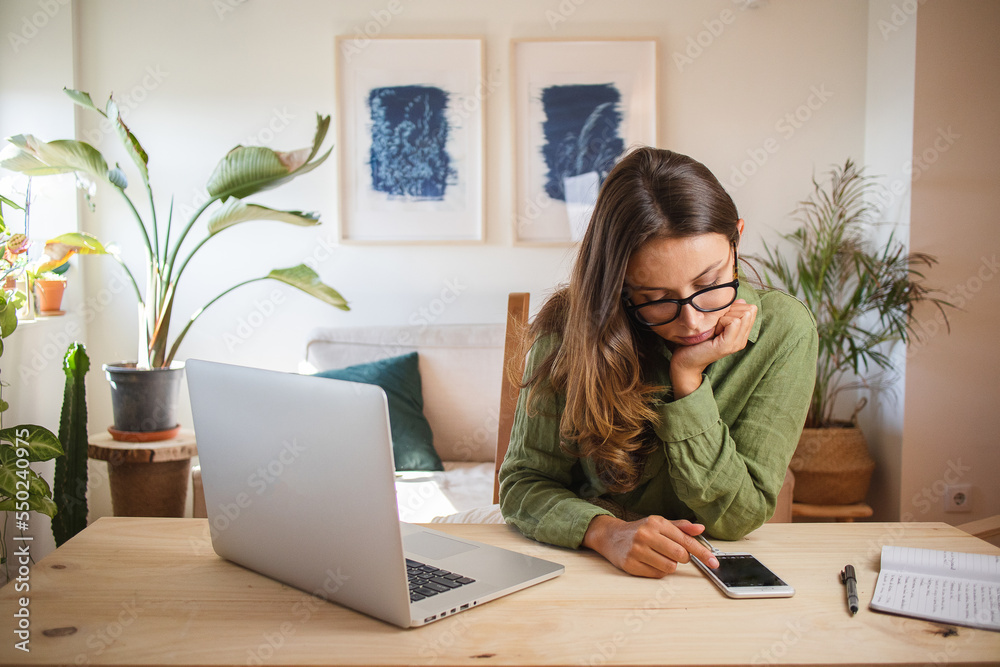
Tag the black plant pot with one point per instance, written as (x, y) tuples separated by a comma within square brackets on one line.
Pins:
[(144, 400)]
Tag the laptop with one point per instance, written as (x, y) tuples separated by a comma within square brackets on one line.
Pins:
[(300, 487)]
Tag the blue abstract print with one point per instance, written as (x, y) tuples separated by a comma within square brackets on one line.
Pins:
[(581, 129), (409, 135)]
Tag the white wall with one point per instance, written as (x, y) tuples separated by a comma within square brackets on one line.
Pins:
[(788, 76)]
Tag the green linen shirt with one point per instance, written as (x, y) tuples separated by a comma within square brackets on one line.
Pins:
[(725, 446)]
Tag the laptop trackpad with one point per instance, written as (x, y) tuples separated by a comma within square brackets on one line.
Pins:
[(434, 546)]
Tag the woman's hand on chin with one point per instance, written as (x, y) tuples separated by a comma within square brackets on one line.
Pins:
[(732, 332)]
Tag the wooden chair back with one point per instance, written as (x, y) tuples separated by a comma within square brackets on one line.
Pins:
[(517, 319)]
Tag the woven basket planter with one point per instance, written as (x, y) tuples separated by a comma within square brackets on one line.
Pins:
[(832, 466)]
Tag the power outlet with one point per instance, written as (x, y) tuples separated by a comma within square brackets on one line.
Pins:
[(958, 498)]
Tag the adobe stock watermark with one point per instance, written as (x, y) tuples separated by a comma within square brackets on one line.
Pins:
[(481, 439), (414, 502), (324, 250), (263, 310), (259, 480), (302, 610), (924, 500), (102, 639), (786, 127), (915, 168), (470, 104), (562, 12), (436, 307), (697, 45), (280, 120), (779, 648), (932, 495), (426, 315), (959, 296), (532, 210), (900, 14), (54, 347), (32, 25), (127, 102), (278, 123), (448, 634), (363, 34), (635, 620), (225, 7)]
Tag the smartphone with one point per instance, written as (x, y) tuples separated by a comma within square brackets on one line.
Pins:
[(741, 575)]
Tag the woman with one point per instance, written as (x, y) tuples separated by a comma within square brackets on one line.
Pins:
[(659, 384)]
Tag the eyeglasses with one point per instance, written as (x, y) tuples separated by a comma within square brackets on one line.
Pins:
[(664, 311)]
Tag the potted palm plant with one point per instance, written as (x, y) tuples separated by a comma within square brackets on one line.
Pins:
[(863, 299), (150, 382)]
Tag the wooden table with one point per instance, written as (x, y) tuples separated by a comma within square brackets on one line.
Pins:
[(152, 591), (147, 478)]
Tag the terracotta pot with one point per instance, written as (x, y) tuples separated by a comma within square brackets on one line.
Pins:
[(49, 294), (832, 466)]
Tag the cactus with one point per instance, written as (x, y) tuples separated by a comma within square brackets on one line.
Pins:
[(70, 492)]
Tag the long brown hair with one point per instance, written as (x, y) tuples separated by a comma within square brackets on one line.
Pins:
[(598, 365)]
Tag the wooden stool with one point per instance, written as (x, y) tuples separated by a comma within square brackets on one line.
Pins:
[(842, 513), (147, 478)]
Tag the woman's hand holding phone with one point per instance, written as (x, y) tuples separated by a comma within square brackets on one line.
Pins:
[(650, 547)]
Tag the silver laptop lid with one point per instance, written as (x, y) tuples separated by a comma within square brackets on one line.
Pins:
[(299, 485)]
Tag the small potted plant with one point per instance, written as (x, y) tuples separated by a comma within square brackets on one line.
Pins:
[(863, 299), (49, 287)]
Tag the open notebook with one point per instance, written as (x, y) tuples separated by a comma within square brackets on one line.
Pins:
[(944, 586)]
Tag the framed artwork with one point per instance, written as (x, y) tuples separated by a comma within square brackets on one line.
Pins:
[(578, 106), (410, 126)]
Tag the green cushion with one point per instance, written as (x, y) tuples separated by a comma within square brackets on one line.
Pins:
[(399, 377)]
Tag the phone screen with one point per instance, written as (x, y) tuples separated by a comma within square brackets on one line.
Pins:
[(741, 570)]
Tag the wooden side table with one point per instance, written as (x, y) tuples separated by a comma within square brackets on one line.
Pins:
[(842, 513), (147, 478)]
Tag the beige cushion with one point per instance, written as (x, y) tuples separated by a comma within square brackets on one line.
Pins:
[(460, 370)]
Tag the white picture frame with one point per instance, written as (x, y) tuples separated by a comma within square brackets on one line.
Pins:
[(410, 139), (578, 105)]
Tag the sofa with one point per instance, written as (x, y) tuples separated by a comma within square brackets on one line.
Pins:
[(460, 369)]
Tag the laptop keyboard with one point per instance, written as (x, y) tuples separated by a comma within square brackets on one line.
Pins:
[(426, 580)]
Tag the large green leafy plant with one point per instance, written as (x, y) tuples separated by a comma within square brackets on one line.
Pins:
[(862, 296), (243, 172)]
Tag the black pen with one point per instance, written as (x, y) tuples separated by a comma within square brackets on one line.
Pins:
[(850, 579)]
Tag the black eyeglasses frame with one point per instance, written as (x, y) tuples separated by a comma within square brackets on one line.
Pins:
[(633, 309)]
